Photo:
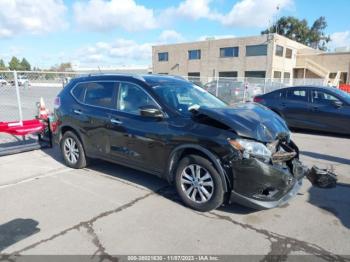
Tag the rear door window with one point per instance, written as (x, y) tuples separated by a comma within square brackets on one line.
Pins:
[(101, 94), (297, 95)]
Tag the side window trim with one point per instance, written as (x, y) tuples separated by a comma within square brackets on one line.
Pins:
[(116, 95)]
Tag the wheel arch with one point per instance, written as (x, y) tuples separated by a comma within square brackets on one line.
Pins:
[(183, 150), (66, 128), (74, 130)]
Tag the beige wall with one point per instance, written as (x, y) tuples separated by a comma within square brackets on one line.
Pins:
[(334, 62), (211, 63)]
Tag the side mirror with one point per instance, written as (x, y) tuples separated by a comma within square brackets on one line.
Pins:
[(337, 103), (151, 111)]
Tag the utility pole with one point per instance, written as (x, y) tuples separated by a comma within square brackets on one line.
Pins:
[(278, 9)]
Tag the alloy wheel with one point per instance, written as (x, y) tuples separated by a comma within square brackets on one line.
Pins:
[(71, 150), (197, 183)]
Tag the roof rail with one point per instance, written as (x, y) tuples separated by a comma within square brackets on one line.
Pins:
[(136, 76)]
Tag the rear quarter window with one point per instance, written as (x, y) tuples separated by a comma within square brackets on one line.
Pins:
[(79, 92), (276, 95)]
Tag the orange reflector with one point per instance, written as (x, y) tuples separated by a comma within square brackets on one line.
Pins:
[(236, 145)]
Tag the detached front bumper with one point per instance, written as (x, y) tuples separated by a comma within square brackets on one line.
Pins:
[(262, 185)]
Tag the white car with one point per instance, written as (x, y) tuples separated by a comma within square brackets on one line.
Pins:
[(3, 82), (22, 80)]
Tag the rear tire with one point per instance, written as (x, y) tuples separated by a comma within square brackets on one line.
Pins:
[(73, 151), (198, 183)]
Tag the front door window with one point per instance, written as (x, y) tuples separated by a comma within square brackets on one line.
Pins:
[(132, 97)]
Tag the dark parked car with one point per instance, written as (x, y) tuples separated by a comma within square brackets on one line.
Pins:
[(171, 128), (310, 107)]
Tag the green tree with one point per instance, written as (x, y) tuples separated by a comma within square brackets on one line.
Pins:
[(14, 64), (299, 30), (25, 65), (2, 64), (317, 37), (63, 67)]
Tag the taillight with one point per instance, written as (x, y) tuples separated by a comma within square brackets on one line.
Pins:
[(258, 99), (57, 102)]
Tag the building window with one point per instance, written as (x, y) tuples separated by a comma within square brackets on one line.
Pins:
[(277, 74), (228, 74), (194, 54), (255, 74), (163, 56), (289, 53), (332, 75), (256, 50), (229, 51), (279, 50), (286, 75), (195, 77), (194, 74)]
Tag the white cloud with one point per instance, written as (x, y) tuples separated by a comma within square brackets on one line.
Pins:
[(253, 13), (190, 9), (123, 51), (340, 39), (170, 36), (194, 9), (103, 15), (249, 13), (118, 52), (31, 16)]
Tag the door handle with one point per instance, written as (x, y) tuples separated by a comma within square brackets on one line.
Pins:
[(116, 121), (283, 104), (77, 112), (315, 108)]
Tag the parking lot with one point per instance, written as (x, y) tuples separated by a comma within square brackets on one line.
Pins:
[(106, 209)]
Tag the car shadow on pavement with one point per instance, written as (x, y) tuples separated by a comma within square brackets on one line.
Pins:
[(143, 180), (17, 230), (340, 160), (334, 201), (115, 171)]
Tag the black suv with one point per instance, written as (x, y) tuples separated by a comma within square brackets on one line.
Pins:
[(171, 128)]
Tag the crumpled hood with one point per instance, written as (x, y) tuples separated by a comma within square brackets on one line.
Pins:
[(250, 120)]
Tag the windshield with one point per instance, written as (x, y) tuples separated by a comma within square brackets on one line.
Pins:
[(342, 94), (183, 97)]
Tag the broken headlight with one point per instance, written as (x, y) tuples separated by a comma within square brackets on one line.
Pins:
[(251, 148)]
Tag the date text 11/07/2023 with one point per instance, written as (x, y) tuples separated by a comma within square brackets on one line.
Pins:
[(173, 258)]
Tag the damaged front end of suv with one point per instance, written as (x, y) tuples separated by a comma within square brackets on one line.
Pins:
[(263, 164)]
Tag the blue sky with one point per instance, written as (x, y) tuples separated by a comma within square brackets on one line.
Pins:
[(121, 32)]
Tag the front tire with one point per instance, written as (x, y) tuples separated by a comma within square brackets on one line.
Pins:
[(72, 151), (199, 184)]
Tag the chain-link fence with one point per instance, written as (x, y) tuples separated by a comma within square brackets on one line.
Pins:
[(18, 102), (244, 89), (20, 91)]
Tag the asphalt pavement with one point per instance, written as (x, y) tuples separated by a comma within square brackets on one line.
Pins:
[(109, 210)]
